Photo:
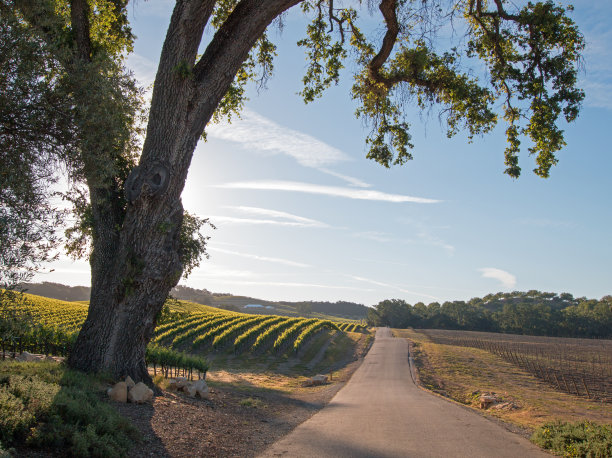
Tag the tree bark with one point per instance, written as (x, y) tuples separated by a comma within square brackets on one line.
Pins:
[(133, 270)]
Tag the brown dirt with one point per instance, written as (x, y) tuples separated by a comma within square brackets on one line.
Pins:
[(233, 422), (247, 411)]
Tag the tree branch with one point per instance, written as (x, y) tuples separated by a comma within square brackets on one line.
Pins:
[(238, 34), (79, 17), (387, 8)]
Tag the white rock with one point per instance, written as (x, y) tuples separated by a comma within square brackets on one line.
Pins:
[(182, 382), (25, 356), (316, 380), (129, 382), (487, 400), (119, 392), (199, 388), (140, 393), (190, 390)]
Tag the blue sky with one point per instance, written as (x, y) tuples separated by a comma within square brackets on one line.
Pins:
[(301, 214)]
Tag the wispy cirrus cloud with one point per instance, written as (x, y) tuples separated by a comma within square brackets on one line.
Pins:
[(596, 79), (308, 188), (395, 287), (279, 214), (377, 236), (424, 234), (350, 180), (207, 270), (220, 219), (272, 218), (505, 278), (293, 285), (241, 254), (429, 239), (257, 133), (422, 237)]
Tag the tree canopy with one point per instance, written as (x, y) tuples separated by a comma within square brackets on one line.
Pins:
[(33, 131), (530, 313), (529, 56)]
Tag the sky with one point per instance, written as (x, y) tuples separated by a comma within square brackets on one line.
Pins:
[(301, 214)]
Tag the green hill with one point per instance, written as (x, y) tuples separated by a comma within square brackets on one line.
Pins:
[(340, 310)]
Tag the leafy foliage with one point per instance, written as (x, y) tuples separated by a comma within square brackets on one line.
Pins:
[(531, 313), (33, 132), (193, 243), (45, 405), (166, 358), (531, 52), (583, 439), (254, 331), (291, 332), (309, 331)]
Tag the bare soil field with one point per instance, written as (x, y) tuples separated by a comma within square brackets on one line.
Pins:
[(465, 373)]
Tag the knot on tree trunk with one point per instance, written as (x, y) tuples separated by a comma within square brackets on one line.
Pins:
[(147, 181)]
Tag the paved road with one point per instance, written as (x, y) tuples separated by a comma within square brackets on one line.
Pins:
[(382, 413)]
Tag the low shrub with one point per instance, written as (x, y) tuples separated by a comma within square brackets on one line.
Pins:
[(45, 405), (583, 439)]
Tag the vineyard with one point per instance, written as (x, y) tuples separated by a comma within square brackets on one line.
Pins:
[(239, 333), (581, 367), (352, 327), (188, 334)]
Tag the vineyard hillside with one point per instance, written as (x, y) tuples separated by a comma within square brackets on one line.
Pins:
[(187, 329)]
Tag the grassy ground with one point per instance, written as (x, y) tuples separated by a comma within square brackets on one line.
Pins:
[(44, 405), (463, 373)]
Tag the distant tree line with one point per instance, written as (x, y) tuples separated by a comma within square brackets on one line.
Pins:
[(530, 313)]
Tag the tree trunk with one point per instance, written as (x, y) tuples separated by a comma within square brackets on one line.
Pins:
[(134, 269)]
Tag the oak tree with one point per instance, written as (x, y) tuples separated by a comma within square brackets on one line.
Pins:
[(528, 53)]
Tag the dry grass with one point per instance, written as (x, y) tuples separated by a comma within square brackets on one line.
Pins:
[(463, 373)]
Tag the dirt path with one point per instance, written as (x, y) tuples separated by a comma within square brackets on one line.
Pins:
[(382, 413)]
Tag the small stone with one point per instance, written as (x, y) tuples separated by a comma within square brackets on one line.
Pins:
[(140, 393), (26, 357), (486, 401), (119, 392), (129, 382), (199, 388), (316, 380), (179, 384), (172, 385), (190, 390)]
